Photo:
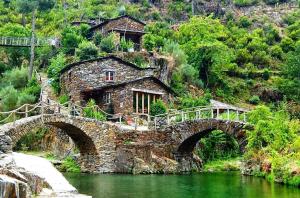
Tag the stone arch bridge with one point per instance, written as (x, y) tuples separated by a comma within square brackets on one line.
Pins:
[(114, 147)]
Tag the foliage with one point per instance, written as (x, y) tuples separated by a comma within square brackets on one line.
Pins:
[(70, 40), (158, 107), (274, 138), (91, 111), (243, 3), (56, 65), (217, 145), (63, 99), (254, 100), (87, 50), (190, 101), (126, 45), (107, 44), (31, 141), (69, 165)]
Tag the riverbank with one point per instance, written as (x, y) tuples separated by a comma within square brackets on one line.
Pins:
[(232, 164), (28, 176)]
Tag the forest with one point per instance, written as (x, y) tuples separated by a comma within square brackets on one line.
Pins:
[(247, 61)]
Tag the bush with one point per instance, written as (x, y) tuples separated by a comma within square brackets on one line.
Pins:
[(63, 99), (91, 111), (244, 3), (126, 45), (69, 165), (56, 65), (276, 52), (70, 40), (245, 22), (108, 43), (254, 100), (158, 107), (9, 98), (87, 50), (17, 77), (25, 98)]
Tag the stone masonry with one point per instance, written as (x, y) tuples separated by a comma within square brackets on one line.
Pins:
[(106, 147)]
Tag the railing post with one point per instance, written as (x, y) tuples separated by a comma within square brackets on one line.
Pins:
[(155, 122), (136, 123), (212, 113), (245, 117), (237, 115), (182, 116), (228, 114), (218, 113), (42, 111), (168, 119), (26, 111), (120, 119)]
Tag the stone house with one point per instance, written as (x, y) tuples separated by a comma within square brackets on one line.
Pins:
[(124, 27), (117, 86)]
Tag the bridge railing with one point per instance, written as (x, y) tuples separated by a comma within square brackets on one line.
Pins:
[(25, 41), (208, 112)]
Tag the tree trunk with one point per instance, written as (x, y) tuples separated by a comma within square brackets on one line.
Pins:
[(23, 20), (65, 11), (32, 44)]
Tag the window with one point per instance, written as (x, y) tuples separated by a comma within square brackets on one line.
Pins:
[(109, 76), (107, 98)]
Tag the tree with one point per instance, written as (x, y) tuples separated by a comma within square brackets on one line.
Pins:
[(32, 6), (87, 50)]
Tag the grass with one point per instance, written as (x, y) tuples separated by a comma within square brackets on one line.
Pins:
[(232, 164)]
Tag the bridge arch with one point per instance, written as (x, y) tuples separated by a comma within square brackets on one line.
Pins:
[(84, 132), (187, 134)]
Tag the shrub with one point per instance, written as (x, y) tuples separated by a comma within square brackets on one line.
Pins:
[(254, 100), (126, 45), (108, 43), (276, 52), (17, 77), (70, 40), (287, 44), (266, 74), (56, 65), (87, 50), (245, 22), (244, 3), (33, 88), (63, 99), (69, 165), (158, 107), (90, 111), (25, 98), (97, 38), (9, 98)]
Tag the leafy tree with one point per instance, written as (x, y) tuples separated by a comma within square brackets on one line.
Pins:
[(70, 40), (56, 65), (108, 43), (15, 55), (158, 107), (32, 6), (87, 50)]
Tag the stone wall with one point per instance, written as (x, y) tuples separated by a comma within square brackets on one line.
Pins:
[(122, 96), (106, 147), (91, 75)]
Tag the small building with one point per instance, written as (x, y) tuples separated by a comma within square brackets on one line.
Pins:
[(124, 26), (117, 86)]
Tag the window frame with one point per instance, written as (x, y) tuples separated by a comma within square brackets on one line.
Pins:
[(107, 99), (110, 76)]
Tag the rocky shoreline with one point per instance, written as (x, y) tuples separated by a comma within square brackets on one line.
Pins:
[(24, 176)]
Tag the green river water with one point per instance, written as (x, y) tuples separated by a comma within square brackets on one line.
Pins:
[(202, 185)]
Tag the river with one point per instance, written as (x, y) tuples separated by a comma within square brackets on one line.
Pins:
[(205, 185)]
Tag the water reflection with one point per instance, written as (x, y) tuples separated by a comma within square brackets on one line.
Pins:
[(206, 185)]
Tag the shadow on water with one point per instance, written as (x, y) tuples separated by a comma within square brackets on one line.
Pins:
[(206, 185)]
